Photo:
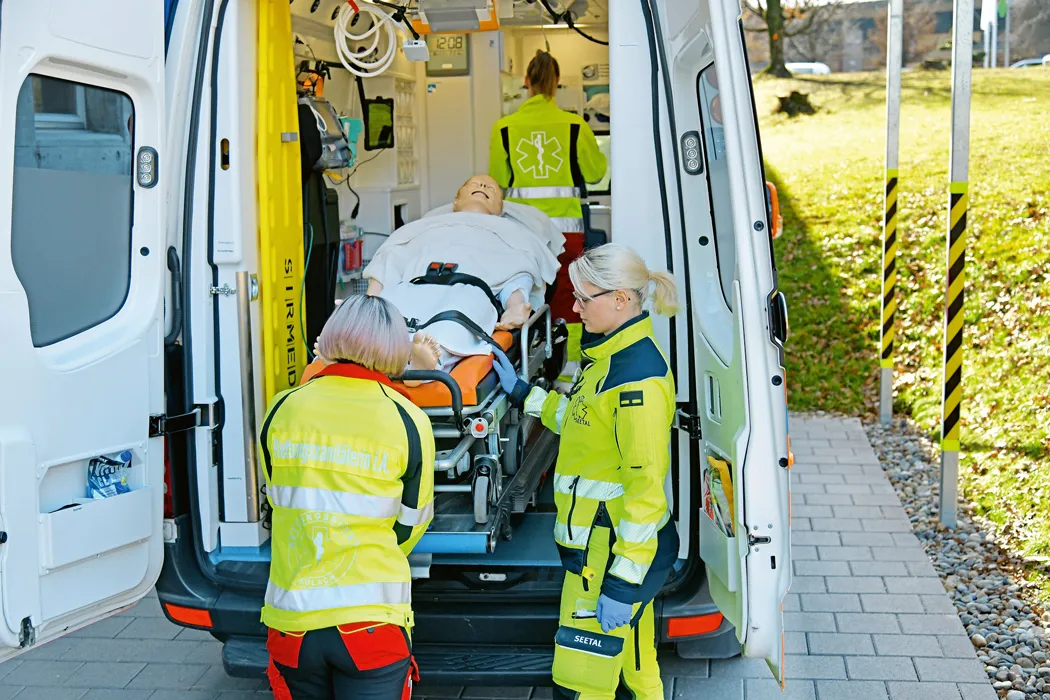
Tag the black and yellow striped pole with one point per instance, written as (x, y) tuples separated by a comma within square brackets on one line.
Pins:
[(962, 57), (894, 50)]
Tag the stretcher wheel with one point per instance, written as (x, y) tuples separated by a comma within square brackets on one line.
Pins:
[(514, 451), (481, 499)]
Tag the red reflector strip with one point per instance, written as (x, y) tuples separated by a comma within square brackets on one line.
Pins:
[(189, 616), (693, 626)]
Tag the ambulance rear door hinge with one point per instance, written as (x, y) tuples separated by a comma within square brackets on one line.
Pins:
[(689, 423), (752, 540), (27, 635), (202, 415)]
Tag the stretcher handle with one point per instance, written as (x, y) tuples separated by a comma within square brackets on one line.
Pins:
[(448, 381), (525, 344)]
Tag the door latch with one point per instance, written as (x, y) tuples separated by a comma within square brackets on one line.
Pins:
[(27, 636), (200, 416), (688, 423), (752, 540)]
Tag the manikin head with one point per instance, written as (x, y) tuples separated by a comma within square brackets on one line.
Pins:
[(479, 195)]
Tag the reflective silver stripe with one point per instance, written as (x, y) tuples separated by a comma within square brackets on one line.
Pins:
[(586, 488), (561, 535), (629, 571), (534, 401), (305, 498), (412, 516), (559, 415), (333, 597), (543, 193), (635, 532), (568, 225)]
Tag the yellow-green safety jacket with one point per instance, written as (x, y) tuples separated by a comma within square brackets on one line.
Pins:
[(544, 156), (615, 427), (349, 467)]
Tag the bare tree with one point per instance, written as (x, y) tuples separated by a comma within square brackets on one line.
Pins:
[(791, 19), (919, 23), (1030, 25)]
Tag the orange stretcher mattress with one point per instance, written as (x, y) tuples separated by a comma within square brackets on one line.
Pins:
[(468, 374)]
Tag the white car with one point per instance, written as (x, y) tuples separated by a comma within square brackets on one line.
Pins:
[(1031, 62), (809, 68)]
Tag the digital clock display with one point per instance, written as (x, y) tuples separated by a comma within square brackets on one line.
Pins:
[(449, 54)]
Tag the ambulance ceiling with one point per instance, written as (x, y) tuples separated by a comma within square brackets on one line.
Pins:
[(526, 14)]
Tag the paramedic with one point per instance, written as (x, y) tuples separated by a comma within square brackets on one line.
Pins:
[(613, 527), (544, 156), (349, 467)]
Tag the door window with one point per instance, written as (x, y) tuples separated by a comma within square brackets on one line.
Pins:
[(717, 178), (72, 204)]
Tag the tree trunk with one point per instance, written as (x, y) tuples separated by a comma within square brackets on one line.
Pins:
[(775, 27)]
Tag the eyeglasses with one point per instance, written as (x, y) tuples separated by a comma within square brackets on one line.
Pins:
[(585, 300)]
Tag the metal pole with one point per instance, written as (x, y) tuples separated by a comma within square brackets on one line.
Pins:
[(1006, 39), (995, 42), (958, 201), (894, 55), (987, 34)]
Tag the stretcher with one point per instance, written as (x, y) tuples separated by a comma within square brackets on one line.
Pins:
[(490, 458)]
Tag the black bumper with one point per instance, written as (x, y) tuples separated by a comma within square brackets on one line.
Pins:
[(491, 643)]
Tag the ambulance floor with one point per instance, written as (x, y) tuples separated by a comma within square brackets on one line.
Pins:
[(867, 618)]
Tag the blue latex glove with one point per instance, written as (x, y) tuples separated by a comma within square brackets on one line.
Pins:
[(508, 376), (612, 613)]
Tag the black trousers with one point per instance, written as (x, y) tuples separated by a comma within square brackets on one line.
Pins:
[(355, 663)]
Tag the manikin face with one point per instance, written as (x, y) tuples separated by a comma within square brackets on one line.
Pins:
[(480, 195)]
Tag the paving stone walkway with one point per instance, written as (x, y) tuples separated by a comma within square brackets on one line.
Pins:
[(867, 617)]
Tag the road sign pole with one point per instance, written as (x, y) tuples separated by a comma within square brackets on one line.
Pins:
[(894, 56), (958, 201), (1006, 38)]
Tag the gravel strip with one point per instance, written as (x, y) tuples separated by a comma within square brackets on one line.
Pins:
[(996, 605)]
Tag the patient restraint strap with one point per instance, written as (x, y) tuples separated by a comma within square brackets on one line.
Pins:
[(445, 273), (456, 317)]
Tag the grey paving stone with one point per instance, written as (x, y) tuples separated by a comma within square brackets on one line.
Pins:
[(836, 524), (192, 635), (922, 691), (813, 511), (104, 674), (891, 512), (883, 489), (899, 554), (809, 622), (821, 568), (821, 479), (244, 695), (104, 629), (880, 668), (880, 499), (834, 451), (950, 670), (674, 665), (826, 539), (926, 586), (9, 691), (207, 653), (800, 525), (36, 693), (854, 584), (791, 603), (845, 553), (721, 688), (828, 499), (922, 569), (487, 693), (938, 604), (867, 623), (851, 690), (125, 694), (739, 668), (808, 584), (803, 553), (850, 490), (807, 489), (887, 569), (139, 650), (149, 628), (868, 539), (815, 667), (830, 602), (860, 512), (931, 624), (53, 650), (870, 479), (216, 678), (840, 644), (885, 603), (147, 607), (795, 643), (957, 647), (169, 676), (977, 691), (41, 673), (183, 694), (880, 525), (907, 645), (769, 689)]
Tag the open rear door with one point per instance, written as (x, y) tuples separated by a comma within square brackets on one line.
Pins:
[(700, 208), (81, 307)]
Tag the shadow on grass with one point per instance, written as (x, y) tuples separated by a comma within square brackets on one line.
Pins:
[(830, 361)]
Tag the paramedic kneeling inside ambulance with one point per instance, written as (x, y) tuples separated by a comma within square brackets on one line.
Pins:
[(349, 466), (614, 528)]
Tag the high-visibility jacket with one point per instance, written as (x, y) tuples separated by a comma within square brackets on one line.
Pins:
[(615, 427), (349, 467), (544, 156)]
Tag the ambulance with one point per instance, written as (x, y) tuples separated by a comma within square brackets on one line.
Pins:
[(168, 253)]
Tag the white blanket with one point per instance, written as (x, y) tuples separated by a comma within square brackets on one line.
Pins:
[(493, 248)]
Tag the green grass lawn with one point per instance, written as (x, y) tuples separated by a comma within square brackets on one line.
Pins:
[(829, 170)]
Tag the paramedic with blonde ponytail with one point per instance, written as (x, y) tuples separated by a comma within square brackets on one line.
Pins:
[(613, 529), (544, 156)]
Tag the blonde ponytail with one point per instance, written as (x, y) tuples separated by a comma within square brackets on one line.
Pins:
[(613, 266)]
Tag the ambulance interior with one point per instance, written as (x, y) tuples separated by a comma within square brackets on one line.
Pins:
[(426, 131)]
